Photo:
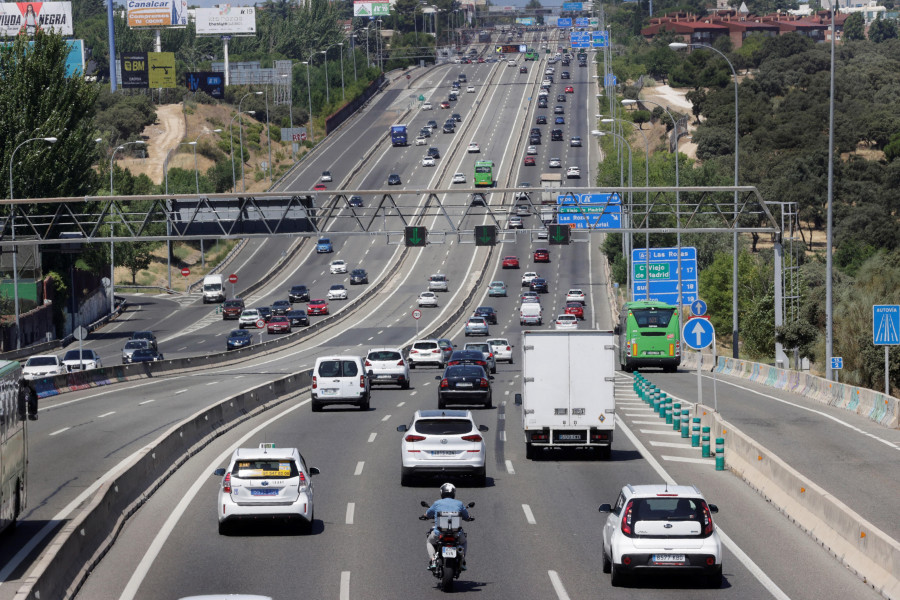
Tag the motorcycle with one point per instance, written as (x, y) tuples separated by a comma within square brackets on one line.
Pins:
[(449, 552)]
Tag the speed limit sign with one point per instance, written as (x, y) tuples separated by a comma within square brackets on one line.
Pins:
[(260, 324), (417, 314)]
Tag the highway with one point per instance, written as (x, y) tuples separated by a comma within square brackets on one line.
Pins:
[(537, 527)]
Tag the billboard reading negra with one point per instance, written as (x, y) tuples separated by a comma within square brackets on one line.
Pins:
[(157, 13), (225, 19), (27, 17)]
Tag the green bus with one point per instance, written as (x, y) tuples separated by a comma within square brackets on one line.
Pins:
[(17, 405), (649, 336), (531, 54), (484, 173)]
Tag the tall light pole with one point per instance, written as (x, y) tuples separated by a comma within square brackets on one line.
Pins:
[(269, 135), (367, 46), (12, 208), (241, 140), (353, 47), (309, 96), (231, 134), (196, 171), (290, 78), (112, 228), (168, 221), (343, 96), (327, 96), (378, 44), (629, 102), (734, 274), (627, 216)]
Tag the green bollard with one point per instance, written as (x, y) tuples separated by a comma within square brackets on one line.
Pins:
[(705, 443), (657, 402), (720, 454), (668, 411), (695, 432), (685, 423), (676, 416)]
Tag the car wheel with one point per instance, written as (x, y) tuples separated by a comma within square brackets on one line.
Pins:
[(405, 385), (316, 406), (406, 479), (605, 452), (441, 404), (510, 360), (494, 370), (412, 365), (490, 402), (607, 564), (617, 578), (529, 451), (364, 403), (714, 579), (224, 528), (481, 478)]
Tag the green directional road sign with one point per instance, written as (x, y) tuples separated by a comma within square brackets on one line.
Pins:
[(415, 236), (485, 235), (657, 271), (559, 235)]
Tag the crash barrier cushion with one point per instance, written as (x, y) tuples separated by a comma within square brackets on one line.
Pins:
[(858, 544), (876, 406), (77, 548)]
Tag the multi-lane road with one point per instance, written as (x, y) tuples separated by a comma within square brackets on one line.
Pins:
[(537, 528)]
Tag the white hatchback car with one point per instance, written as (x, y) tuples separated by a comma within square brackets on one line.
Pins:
[(566, 322), (502, 349), (427, 161), (575, 295), (387, 365), (528, 276), (573, 173), (337, 292), (266, 483), (427, 106), (470, 89), (421, 141), (531, 150), (442, 442), (473, 147), (661, 528), (248, 318), (458, 178), (427, 299), (426, 352), (337, 267)]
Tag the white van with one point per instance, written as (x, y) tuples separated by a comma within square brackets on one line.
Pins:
[(530, 313), (340, 380), (213, 289)]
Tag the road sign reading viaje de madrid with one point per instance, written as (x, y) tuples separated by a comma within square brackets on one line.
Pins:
[(886, 324)]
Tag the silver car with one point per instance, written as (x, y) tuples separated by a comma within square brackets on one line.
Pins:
[(477, 326), (488, 352), (130, 347)]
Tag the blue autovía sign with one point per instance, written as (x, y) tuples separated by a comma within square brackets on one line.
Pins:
[(589, 199), (572, 7), (563, 22), (599, 39), (582, 22), (590, 217)]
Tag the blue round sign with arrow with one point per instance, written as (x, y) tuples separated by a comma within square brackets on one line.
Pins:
[(698, 333), (698, 307)]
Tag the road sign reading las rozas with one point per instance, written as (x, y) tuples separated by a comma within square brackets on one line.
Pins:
[(698, 333), (886, 324), (664, 280)]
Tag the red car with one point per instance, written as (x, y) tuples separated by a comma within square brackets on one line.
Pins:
[(480, 60), (510, 262), (529, 161), (279, 324), (232, 309), (445, 104), (570, 89), (320, 186), (575, 308), (542, 255), (317, 307)]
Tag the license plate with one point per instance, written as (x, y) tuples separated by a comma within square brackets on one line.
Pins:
[(668, 558), (569, 436), (443, 453), (384, 377), (448, 552), (329, 392), (259, 492), (653, 353), (463, 385)]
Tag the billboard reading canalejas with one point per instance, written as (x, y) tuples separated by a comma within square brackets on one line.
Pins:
[(28, 17), (157, 13), (225, 19)]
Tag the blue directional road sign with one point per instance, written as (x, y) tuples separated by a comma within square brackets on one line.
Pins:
[(563, 22), (599, 39), (698, 308), (664, 275), (886, 324), (580, 39), (589, 199), (582, 22), (698, 333), (609, 80), (837, 362), (590, 211), (572, 6)]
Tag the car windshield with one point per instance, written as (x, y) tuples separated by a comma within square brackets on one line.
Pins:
[(464, 371), (482, 347), (265, 469), (42, 361), (652, 317), (337, 286), (384, 355), (239, 333), (74, 355), (443, 426), (324, 241), (135, 344), (234, 304), (425, 345), (338, 368), (667, 509), (143, 353)]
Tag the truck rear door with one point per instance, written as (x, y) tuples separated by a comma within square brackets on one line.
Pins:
[(592, 386), (546, 385)]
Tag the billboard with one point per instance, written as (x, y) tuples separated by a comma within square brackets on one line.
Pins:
[(28, 17), (133, 70), (161, 69), (371, 9), (524, 20), (75, 58), (295, 135), (225, 19), (157, 13), (213, 83)]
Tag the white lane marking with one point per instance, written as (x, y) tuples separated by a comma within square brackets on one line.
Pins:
[(351, 507), (558, 586), (638, 415), (509, 467), (212, 383), (109, 391), (60, 431), (182, 348), (238, 376), (401, 404), (658, 431), (345, 585), (180, 392), (529, 516), (386, 417), (412, 393), (687, 459), (729, 543), (501, 417), (506, 393), (502, 436), (646, 422), (112, 412), (670, 444), (146, 402), (359, 467), (370, 339), (503, 403), (372, 437), (140, 572)]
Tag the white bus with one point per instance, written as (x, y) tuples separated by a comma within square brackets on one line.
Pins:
[(17, 404)]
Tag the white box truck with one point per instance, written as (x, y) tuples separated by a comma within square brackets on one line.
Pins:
[(568, 394), (213, 289)]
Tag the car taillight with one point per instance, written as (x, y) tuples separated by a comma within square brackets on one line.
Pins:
[(368, 364), (472, 438), (452, 363), (481, 363), (707, 521), (226, 483), (400, 363), (626, 519), (484, 383), (444, 383), (491, 355), (414, 438), (314, 386), (435, 350), (302, 478), (362, 381)]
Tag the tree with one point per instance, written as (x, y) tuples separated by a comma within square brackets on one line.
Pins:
[(135, 256), (882, 29), (640, 117), (855, 27)]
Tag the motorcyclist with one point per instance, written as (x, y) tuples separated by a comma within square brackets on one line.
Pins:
[(447, 503)]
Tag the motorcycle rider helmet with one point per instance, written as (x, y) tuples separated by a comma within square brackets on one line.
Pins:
[(448, 490)]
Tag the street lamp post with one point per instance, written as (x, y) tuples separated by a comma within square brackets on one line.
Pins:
[(291, 106), (169, 221), (197, 188), (353, 48), (112, 229), (734, 274), (241, 141), (327, 97), (269, 135), (343, 95), (378, 45), (12, 207), (627, 216), (309, 96), (231, 143)]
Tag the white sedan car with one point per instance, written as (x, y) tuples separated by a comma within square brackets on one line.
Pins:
[(43, 365), (427, 106), (427, 161), (458, 178), (575, 295), (326, 176), (531, 150), (337, 292), (573, 173), (566, 322), (427, 299), (502, 349), (470, 89), (473, 147), (514, 223), (528, 276), (442, 442), (266, 482), (421, 141), (337, 267)]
